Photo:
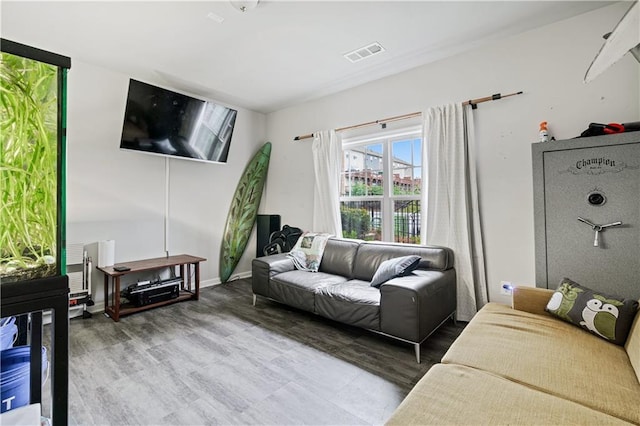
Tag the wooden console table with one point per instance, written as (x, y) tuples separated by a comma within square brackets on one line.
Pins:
[(189, 289)]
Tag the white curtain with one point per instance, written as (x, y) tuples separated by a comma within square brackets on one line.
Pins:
[(327, 161), (451, 200)]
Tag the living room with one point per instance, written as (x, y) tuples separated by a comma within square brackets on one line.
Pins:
[(122, 196)]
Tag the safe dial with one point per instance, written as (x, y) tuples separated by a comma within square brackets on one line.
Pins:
[(596, 198)]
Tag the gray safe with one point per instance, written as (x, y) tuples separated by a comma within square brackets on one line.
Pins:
[(587, 213)]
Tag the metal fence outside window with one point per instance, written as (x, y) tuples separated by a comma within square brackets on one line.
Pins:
[(363, 220), (406, 216)]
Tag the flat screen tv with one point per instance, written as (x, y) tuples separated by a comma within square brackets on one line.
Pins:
[(163, 122)]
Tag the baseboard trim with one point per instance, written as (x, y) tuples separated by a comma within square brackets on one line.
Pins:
[(98, 307), (216, 281)]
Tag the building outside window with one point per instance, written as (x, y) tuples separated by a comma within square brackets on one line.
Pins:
[(381, 184)]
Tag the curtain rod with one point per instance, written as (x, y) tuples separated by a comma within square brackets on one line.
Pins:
[(384, 121), (474, 102)]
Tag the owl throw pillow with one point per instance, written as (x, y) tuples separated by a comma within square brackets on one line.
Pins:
[(606, 316)]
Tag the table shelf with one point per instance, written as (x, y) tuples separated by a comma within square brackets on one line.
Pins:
[(189, 289)]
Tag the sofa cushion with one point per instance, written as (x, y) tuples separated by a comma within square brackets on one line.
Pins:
[(458, 395), (339, 255), (353, 302), (531, 299), (297, 288), (552, 356), (396, 267), (606, 316), (372, 253), (633, 346)]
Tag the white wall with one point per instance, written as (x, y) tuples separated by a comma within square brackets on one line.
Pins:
[(120, 195), (548, 64)]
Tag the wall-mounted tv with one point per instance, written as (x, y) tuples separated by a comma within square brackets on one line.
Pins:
[(163, 122)]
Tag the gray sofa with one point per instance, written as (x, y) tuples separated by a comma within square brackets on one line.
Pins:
[(407, 308)]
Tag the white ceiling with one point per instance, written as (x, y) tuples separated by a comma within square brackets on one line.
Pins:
[(276, 55)]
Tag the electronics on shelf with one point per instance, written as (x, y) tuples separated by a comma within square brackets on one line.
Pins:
[(145, 292)]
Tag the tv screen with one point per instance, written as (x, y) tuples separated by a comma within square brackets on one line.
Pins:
[(159, 121)]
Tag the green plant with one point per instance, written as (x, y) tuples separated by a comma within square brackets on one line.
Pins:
[(28, 163), (356, 223), (399, 190), (349, 233), (360, 189)]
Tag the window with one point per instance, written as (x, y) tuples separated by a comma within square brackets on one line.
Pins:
[(381, 184)]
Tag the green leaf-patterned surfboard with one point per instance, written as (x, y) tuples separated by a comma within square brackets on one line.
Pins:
[(243, 211)]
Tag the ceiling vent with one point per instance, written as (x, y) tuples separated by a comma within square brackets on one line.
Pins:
[(364, 52)]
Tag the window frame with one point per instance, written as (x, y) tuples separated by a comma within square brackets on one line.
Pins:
[(388, 198)]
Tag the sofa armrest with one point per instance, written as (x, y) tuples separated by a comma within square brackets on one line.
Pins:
[(531, 299), (263, 268), (411, 307)]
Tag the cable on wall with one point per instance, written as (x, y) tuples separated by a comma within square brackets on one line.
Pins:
[(167, 188)]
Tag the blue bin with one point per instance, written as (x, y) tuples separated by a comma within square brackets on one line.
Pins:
[(15, 372)]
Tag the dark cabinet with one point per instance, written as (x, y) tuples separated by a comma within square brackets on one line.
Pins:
[(32, 217), (33, 298), (587, 212)]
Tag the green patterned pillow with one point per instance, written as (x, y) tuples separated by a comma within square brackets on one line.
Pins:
[(609, 317)]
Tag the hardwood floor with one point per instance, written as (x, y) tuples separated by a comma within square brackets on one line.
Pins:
[(221, 360)]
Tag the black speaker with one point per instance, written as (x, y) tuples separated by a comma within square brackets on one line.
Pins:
[(267, 223)]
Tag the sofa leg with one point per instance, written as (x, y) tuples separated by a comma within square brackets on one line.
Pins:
[(417, 349), (254, 299)]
